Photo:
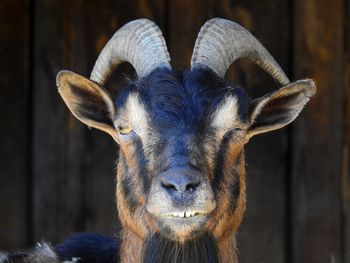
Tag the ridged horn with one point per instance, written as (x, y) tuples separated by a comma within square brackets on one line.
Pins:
[(139, 42), (220, 42)]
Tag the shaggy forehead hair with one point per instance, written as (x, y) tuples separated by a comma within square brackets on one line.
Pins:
[(186, 99)]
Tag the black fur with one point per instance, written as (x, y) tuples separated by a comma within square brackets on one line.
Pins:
[(142, 164), (18, 257), (128, 180), (220, 162), (41, 253), (235, 187), (159, 249), (89, 248), (180, 104), (186, 98), (128, 187)]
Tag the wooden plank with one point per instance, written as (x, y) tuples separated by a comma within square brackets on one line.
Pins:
[(74, 175), (262, 237), (317, 134), (55, 168), (14, 127), (346, 143)]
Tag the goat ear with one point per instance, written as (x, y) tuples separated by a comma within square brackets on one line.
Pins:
[(88, 101), (277, 109)]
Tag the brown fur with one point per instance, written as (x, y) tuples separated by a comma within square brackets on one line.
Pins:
[(222, 224), (133, 222), (131, 248), (227, 250)]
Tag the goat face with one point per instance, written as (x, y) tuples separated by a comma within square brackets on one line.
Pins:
[(173, 155), (181, 170)]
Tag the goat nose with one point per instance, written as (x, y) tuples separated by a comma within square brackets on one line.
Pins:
[(180, 182)]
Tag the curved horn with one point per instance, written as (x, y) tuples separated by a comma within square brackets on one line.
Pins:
[(140, 42), (220, 42)]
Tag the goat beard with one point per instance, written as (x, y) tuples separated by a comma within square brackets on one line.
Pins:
[(159, 249)]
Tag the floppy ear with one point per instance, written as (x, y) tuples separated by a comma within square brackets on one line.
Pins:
[(277, 109), (88, 101)]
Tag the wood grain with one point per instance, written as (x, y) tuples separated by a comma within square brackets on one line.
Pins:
[(317, 133), (184, 22), (15, 126), (346, 141)]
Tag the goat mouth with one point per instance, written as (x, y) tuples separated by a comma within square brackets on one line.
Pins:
[(178, 224), (187, 214)]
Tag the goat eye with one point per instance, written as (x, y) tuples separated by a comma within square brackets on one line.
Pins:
[(124, 129)]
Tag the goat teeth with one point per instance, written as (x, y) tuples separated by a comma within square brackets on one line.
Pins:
[(189, 214), (182, 214)]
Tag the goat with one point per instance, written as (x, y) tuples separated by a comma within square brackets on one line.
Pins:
[(181, 192)]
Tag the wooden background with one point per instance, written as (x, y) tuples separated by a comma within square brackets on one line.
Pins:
[(57, 176)]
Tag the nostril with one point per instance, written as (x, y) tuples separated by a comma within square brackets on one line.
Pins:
[(179, 184), (190, 188), (168, 186), (176, 181)]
